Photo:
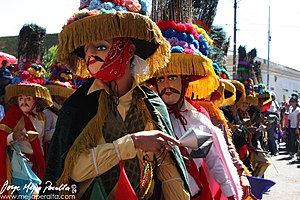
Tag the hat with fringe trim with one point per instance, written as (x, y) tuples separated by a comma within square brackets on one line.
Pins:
[(62, 81), (262, 93), (103, 20), (226, 90), (240, 92), (250, 92), (186, 59), (29, 81), (228, 93)]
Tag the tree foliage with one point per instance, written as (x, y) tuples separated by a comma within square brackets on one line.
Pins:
[(49, 58), (219, 49)]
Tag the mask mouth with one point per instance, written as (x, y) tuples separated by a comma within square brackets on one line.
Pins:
[(97, 58)]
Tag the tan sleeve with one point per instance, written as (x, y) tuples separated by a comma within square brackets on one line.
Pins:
[(172, 183), (102, 158)]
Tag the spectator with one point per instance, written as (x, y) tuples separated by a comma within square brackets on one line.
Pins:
[(294, 119)]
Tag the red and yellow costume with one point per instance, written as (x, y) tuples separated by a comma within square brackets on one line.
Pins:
[(16, 120)]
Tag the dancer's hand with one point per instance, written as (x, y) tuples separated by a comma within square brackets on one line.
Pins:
[(153, 141), (19, 136)]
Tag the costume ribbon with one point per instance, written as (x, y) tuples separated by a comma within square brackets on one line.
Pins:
[(178, 115)]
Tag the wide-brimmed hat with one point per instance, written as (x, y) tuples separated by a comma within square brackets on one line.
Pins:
[(240, 93), (227, 93), (262, 93), (186, 59), (29, 80), (106, 20)]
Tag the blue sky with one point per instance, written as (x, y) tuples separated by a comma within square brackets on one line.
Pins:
[(252, 23)]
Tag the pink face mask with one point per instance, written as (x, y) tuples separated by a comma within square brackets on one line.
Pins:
[(116, 61), (26, 103)]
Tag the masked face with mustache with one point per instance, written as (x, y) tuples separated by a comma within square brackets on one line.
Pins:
[(107, 59), (169, 89), (26, 103)]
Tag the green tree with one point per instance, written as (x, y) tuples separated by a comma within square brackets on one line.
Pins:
[(49, 58), (219, 49)]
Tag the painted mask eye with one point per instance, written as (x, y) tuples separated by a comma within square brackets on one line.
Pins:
[(102, 48), (172, 78), (160, 79)]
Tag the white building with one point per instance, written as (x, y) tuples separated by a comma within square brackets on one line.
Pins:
[(282, 80)]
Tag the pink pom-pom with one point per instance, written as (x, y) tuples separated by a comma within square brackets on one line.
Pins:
[(188, 51), (133, 6)]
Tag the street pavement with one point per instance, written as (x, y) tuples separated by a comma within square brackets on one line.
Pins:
[(285, 172)]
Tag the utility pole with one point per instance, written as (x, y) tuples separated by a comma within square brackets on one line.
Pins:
[(269, 40), (234, 42)]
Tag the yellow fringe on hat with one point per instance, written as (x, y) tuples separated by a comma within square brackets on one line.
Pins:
[(34, 90), (188, 64), (202, 87), (108, 26), (266, 96), (57, 90), (241, 88)]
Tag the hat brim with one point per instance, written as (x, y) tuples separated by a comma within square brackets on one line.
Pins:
[(266, 97), (57, 90), (240, 93), (229, 94)]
